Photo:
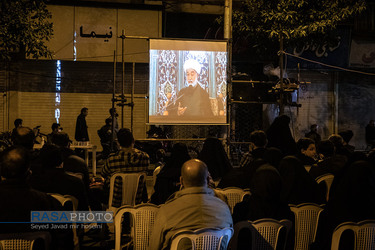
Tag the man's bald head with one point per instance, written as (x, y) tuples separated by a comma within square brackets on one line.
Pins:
[(14, 163), (194, 173)]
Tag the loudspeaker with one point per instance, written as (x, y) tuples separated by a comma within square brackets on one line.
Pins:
[(253, 91)]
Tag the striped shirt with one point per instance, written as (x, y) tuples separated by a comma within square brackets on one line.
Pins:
[(126, 160)]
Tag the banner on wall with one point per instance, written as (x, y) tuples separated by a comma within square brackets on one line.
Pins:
[(362, 54), (335, 53)]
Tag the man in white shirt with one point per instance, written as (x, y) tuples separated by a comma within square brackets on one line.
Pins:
[(194, 207)]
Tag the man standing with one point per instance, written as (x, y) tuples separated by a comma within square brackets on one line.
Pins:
[(127, 160), (192, 100), (81, 133), (192, 208), (105, 135), (313, 134), (114, 115)]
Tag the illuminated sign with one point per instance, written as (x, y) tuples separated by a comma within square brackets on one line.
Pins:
[(58, 90)]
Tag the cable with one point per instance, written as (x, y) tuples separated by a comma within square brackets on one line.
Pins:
[(64, 46), (327, 65), (93, 57), (54, 77)]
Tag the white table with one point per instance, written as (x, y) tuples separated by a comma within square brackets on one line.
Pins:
[(88, 147), (84, 146)]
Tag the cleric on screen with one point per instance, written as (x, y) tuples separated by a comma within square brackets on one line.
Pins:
[(192, 100)]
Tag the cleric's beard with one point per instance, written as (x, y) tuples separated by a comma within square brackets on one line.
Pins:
[(193, 84)]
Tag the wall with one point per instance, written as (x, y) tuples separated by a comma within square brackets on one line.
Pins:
[(317, 97), (32, 95), (37, 109), (356, 105), (86, 33), (3, 100), (336, 101)]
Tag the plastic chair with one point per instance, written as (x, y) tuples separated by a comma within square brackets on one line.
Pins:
[(234, 195), (328, 179), (265, 233), (142, 219), (364, 234), (131, 182), (64, 201), (306, 223), (29, 240), (205, 238)]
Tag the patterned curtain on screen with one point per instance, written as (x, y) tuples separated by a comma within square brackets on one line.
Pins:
[(171, 75)]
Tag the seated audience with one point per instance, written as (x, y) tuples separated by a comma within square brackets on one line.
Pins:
[(338, 141), (74, 165), (241, 177), (298, 186), (352, 200), (306, 151), (330, 164), (53, 179), (127, 160), (160, 157), (257, 147), (18, 199), (347, 135), (215, 157), (168, 180), (194, 207), (24, 136), (273, 156), (72, 162), (265, 200)]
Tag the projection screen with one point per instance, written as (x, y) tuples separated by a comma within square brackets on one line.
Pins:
[(188, 82)]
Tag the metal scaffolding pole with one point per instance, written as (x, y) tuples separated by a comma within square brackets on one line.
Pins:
[(228, 36), (132, 99), (113, 99), (123, 76)]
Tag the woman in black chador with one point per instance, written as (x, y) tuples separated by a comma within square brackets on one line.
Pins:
[(215, 157), (279, 136), (298, 186), (168, 180), (265, 201)]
